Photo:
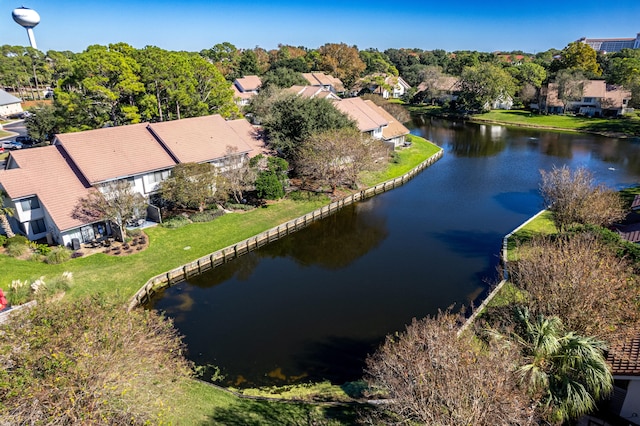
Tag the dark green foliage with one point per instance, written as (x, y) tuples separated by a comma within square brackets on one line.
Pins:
[(272, 179), (283, 78), (292, 119), (17, 239), (3, 240), (268, 186)]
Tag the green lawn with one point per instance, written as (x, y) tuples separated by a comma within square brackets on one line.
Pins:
[(614, 126)]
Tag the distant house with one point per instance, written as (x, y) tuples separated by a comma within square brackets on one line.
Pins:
[(608, 45), (368, 119), (387, 86), (245, 88), (441, 90), (624, 360), (394, 133), (326, 81), (598, 99), (9, 104), (313, 92), (44, 185)]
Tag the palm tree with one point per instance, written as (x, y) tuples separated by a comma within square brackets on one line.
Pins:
[(4, 213), (566, 371)]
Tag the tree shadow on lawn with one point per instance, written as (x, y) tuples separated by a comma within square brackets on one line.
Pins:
[(248, 412)]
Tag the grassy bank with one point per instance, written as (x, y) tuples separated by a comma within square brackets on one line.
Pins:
[(169, 248), (626, 126)]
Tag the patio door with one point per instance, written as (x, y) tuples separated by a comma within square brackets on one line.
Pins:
[(87, 234)]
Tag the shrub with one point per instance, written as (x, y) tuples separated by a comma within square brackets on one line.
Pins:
[(206, 216), (17, 239), (134, 232), (176, 222), (58, 255), (16, 249), (91, 362), (3, 240), (43, 249)]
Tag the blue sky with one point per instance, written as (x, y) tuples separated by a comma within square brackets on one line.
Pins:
[(487, 26)]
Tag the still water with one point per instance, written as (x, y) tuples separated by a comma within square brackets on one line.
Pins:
[(313, 305)]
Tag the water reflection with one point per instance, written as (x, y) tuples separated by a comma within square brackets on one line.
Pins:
[(335, 243), (314, 304)]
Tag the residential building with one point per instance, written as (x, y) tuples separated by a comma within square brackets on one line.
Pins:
[(245, 88), (314, 92), (441, 90), (326, 81), (608, 45), (45, 185), (9, 104), (387, 86), (367, 118), (598, 99), (394, 133)]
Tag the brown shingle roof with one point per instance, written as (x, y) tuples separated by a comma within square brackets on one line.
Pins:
[(322, 79), (248, 83), (394, 129), (366, 117), (46, 173), (624, 357), (115, 152), (249, 134), (199, 139)]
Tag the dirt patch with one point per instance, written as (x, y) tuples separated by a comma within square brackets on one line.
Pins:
[(137, 244)]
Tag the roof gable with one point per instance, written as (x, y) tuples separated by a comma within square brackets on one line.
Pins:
[(394, 129), (248, 83), (47, 173), (364, 115), (115, 152), (199, 139), (8, 99)]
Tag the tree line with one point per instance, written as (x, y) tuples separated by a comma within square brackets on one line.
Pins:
[(118, 84)]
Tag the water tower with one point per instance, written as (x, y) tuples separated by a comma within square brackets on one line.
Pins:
[(28, 18)]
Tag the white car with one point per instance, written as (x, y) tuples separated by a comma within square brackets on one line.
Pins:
[(10, 145)]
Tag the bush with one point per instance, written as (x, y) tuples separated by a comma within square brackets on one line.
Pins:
[(3, 240), (17, 239), (91, 362), (268, 186), (206, 216), (176, 222), (58, 255), (17, 249), (134, 232)]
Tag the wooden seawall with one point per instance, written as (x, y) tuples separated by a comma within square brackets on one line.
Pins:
[(226, 254)]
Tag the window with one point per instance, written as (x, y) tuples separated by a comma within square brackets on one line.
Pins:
[(158, 177), (37, 226), (29, 204)]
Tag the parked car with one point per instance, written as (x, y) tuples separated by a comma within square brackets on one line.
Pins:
[(26, 141), (10, 145)]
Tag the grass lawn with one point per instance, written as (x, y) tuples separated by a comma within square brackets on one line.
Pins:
[(614, 126), (202, 404)]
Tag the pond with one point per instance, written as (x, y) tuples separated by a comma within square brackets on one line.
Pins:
[(313, 305)]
